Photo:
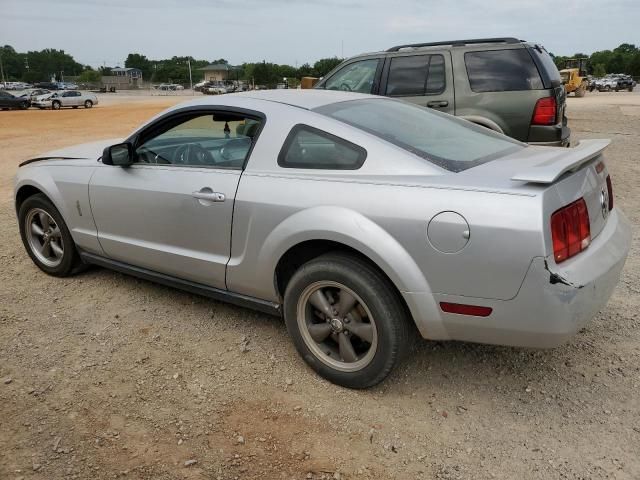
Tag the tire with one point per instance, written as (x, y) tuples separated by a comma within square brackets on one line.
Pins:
[(580, 91), (58, 265), (88, 104), (631, 88), (24, 105), (379, 309), (55, 105)]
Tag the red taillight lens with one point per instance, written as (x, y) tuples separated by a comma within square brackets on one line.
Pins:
[(610, 192), (545, 112), (570, 230), (463, 309)]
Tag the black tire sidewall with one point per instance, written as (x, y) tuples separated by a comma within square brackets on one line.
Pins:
[(379, 296), (70, 258)]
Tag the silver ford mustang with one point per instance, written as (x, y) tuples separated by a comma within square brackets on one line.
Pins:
[(358, 218)]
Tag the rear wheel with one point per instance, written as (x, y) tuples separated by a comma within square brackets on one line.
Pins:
[(55, 105), (580, 91), (24, 105), (346, 320), (46, 237), (88, 104)]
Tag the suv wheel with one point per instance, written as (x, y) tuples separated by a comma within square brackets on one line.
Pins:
[(346, 320), (46, 237)]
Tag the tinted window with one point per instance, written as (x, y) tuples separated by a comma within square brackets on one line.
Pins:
[(546, 66), (355, 77), (308, 147), (416, 75), (444, 140), (218, 140), (407, 75), (502, 70)]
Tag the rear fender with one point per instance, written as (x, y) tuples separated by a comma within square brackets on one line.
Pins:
[(354, 230)]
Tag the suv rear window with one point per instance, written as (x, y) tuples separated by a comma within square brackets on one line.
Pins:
[(502, 71), (441, 139), (416, 75)]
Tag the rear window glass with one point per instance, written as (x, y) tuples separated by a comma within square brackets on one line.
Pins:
[(308, 147), (416, 75), (502, 71), (444, 140)]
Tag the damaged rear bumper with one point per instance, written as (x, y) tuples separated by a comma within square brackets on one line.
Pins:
[(554, 301)]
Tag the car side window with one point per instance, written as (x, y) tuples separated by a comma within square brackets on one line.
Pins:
[(310, 148), (502, 71), (416, 75), (220, 140), (355, 77)]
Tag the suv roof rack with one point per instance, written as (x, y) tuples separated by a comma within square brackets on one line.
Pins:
[(457, 43)]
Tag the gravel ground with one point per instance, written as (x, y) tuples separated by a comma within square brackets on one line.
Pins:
[(105, 376)]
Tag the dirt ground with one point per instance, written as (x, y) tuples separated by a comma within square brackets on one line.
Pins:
[(105, 376)]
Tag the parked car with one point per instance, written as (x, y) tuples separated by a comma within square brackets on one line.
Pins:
[(36, 92), (69, 98), (356, 217), (215, 88), (47, 85), (613, 82), (200, 85), (504, 84), (9, 101)]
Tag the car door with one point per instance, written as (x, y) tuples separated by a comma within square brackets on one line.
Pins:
[(360, 76), (425, 79), (171, 211)]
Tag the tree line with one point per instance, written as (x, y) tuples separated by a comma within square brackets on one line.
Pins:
[(36, 66), (622, 59)]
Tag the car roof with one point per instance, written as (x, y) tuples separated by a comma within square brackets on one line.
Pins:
[(306, 99)]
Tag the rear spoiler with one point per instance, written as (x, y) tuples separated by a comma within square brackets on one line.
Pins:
[(566, 160)]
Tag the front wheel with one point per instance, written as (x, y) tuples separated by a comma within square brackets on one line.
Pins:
[(88, 104), (46, 237), (56, 105), (24, 105), (346, 319)]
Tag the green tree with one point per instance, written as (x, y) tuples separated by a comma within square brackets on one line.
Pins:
[(90, 76), (325, 65), (136, 60), (599, 70)]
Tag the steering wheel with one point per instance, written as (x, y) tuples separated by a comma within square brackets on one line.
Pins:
[(192, 154), (345, 86)]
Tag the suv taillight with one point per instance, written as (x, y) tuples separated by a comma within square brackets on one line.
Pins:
[(545, 112), (610, 192), (570, 230)]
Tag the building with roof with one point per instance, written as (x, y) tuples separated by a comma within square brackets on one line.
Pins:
[(217, 72), (132, 73)]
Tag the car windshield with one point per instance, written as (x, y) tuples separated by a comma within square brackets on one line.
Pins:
[(442, 139)]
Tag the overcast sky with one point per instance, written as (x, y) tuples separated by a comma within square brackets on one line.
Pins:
[(98, 32)]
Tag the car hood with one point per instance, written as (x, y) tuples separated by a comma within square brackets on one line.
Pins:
[(85, 151)]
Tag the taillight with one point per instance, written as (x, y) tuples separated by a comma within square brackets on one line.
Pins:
[(570, 230), (610, 192), (545, 112)]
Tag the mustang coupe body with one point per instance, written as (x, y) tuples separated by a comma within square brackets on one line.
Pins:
[(360, 219)]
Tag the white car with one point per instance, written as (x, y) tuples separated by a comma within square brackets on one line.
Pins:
[(69, 98)]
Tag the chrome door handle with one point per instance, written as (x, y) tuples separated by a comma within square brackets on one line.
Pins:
[(210, 196)]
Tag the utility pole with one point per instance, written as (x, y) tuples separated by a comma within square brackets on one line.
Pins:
[(190, 78), (1, 69)]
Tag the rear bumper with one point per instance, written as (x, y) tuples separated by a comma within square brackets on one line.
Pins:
[(553, 136), (553, 302)]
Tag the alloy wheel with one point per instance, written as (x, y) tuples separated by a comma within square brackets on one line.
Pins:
[(44, 237), (337, 326)]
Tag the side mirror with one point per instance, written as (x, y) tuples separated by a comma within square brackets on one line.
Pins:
[(120, 155)]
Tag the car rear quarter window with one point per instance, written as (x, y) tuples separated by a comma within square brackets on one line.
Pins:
[(416, 75), (310, 148), (502, 71)]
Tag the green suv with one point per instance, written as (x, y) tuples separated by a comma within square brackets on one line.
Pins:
[(504, 84)]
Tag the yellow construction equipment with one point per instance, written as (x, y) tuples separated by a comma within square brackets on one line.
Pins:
[(574, 76)]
